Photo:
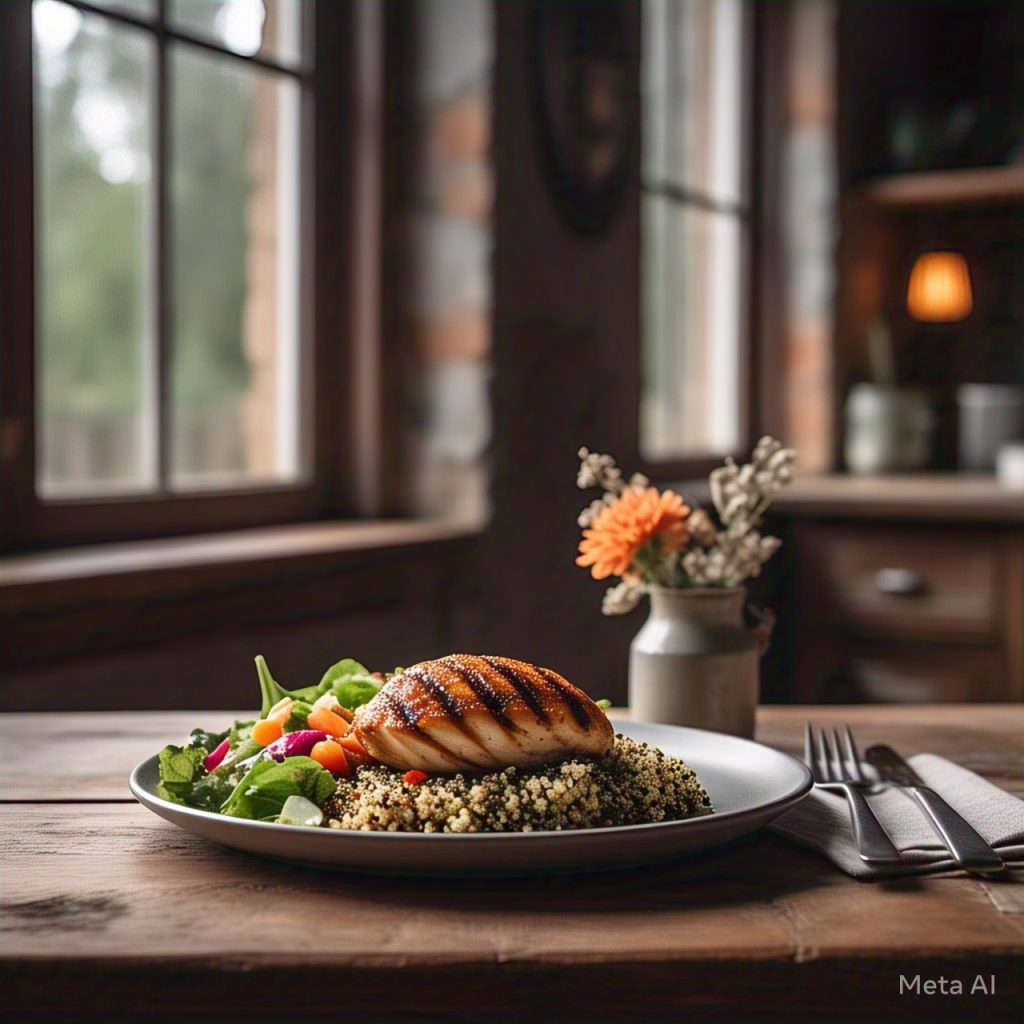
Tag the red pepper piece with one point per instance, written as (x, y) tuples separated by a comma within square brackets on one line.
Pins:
[(415, 777)]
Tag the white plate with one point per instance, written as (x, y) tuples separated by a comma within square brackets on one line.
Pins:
[(749, 785)]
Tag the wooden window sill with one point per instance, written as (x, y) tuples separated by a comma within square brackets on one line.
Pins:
[(118, 570)]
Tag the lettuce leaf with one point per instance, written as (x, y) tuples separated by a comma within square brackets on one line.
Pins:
[(179, 767), (262, 792)]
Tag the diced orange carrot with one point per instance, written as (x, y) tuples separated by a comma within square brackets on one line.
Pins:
[(356, 752), (332, 757), (328, 722), (267, 731)]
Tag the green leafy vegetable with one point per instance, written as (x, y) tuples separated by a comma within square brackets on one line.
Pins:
[(240, 733), (350, 682), (273, 692), (298, 719), (340, 671), (604, 704), (183, 779), (179, 767), (354, 693), (263, 791), (207, 740), (242, 746), (210, 792)]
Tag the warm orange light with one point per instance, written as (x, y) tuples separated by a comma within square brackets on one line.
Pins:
[(940, 288)]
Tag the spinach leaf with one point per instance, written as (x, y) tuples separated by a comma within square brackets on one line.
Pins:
[(350, 682), (179, 767), (355, 692), (347, 668), (273, 691), (262, 792), (209, 741)]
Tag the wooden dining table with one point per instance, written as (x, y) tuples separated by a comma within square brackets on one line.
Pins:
[(109, 912)]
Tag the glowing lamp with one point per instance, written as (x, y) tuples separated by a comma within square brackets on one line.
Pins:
[(940, 288)]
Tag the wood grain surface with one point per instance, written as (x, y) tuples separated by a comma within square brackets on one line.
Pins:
[(106, 908)]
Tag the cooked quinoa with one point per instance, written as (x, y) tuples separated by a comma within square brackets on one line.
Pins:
[(633, 784)]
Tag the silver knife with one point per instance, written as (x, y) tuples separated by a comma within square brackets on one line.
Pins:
[(969, 850)]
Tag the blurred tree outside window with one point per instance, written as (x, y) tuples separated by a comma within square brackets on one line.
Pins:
[(184, 374)]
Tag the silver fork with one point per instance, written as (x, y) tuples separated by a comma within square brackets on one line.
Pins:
[(830, 772)]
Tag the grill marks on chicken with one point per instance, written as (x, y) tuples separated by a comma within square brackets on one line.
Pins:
[(469, 713)]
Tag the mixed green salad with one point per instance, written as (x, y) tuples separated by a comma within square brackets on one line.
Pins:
[(282, 766)]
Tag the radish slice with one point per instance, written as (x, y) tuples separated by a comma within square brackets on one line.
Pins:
[(295, 744), (212, 760)]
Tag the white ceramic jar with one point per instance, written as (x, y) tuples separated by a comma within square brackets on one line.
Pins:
[(695, 663)]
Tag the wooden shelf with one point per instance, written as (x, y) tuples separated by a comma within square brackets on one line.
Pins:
[(972, 186), (919, 497)]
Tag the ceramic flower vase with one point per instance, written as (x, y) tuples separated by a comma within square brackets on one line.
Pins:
[(695, 663)]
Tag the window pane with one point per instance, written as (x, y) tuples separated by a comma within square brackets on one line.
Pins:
[(235, 392), (270, 28), (449, 234), (140, 8), (693, 96), (93, 90), (692, 310)]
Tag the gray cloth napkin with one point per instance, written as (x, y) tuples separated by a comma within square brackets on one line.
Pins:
[(822, 821)]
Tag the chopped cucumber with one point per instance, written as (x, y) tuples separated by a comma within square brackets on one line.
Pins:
[(298, 810)]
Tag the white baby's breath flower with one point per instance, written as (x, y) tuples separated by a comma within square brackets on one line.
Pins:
[(741, 496), (702, 530), (621, 598), (598, 470)]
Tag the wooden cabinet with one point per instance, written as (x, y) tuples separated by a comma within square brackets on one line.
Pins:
[(906, 583), (894, 602)]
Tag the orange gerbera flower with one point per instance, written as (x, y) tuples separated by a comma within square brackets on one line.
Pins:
[(631, 522)]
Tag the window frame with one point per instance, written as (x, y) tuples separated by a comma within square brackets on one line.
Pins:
[(757, 328), (327, 87)]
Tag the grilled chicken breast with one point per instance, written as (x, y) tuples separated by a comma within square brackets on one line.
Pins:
[(470, 713)]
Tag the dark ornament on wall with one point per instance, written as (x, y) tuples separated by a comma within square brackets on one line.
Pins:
[(585, 106)]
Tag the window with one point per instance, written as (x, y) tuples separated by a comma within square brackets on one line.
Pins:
[(696, 218), (172, 361), (448, 234)]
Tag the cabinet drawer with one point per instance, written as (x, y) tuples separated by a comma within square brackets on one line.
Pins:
[(960, 675), (922, 583)]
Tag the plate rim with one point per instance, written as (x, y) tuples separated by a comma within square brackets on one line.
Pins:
[(146, 797)]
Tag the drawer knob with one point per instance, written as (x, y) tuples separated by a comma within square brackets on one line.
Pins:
[(900, 582)]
